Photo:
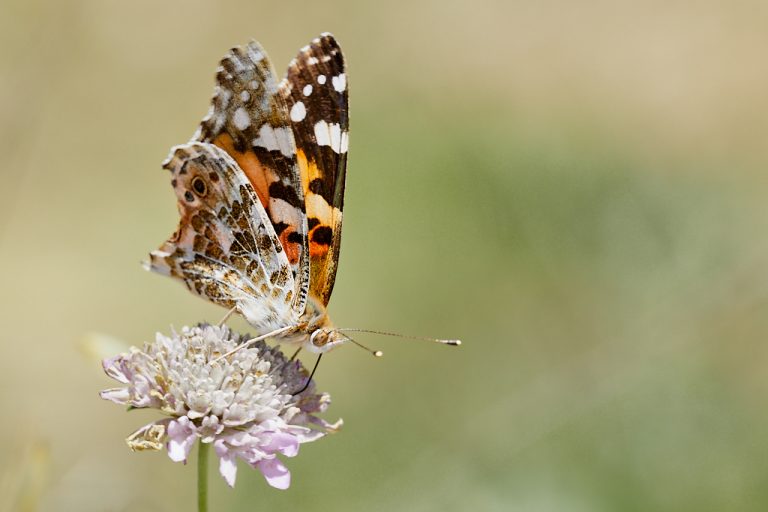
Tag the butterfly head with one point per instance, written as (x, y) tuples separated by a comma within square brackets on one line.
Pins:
[(324, 339), (327, 337)]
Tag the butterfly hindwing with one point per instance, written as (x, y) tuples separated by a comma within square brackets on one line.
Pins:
[(316, 95), (249, 120), (225, 248)]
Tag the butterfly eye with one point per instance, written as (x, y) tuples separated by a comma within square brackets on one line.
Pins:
[(198, 185)]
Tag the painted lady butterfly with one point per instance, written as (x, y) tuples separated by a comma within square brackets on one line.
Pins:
[(260, 191)]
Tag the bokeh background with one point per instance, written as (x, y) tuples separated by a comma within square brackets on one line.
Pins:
[(576, 189)]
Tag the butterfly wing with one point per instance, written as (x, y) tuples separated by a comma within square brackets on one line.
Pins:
[(225, 248), (249, 120), (315, 92)]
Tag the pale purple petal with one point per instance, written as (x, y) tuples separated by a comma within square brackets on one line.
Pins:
[(181, 437), (287, 444), (115, 368), (141, 392), (275, 472), (309, 436), (228, 468), (117, 395), (209, 428)]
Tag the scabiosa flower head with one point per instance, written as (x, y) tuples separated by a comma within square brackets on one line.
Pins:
[(242, 404)]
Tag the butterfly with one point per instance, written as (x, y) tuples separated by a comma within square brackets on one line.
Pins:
[(260, 191)]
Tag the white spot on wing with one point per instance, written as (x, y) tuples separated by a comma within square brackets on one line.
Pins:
[(285, 140), (313, 61), (319, 207), (331, 135), (322, 134), (344, 142), (254, 84), (245, 95), (307, 90), (335, 137), (275, 139), (298, 111), (241, 119), (339, 82), (282, 211), (321, 79)]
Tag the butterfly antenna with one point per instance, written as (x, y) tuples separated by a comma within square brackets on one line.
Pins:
[(312, 374), (453, 343), (375, 353)]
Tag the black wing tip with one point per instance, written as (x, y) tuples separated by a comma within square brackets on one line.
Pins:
[(325, 40)]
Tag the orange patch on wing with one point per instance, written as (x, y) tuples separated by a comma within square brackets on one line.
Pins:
[(292, 249), (316, 205), (309, 170), (321, 238), (256, 172), (317, 250)]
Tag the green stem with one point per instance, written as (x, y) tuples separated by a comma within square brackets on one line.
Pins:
[(202, 477)]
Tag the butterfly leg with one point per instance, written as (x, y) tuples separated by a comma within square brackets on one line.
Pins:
[(295, 354), (252, 341), (226, 317), (309, 379)]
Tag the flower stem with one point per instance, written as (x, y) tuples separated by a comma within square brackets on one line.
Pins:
[(202, 476)]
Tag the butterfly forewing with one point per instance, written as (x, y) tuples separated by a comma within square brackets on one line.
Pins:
[(225, 248), (249, 120), (315, 91)]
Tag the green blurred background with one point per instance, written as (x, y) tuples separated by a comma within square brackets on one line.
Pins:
[(575, 189)]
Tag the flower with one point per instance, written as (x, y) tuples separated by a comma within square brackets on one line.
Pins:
[(243, 404)]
